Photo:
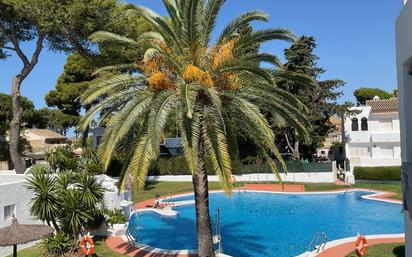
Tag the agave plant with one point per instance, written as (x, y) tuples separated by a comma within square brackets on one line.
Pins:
[(219, 89)]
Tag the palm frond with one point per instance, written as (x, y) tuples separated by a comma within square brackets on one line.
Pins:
[(258, 37), (114, 68), (105, 85), (104, 36), (190, 139), (141, 160), (262, 57), (121, 123), (217, 148), (240, 22), (159, 114), (209, 19)]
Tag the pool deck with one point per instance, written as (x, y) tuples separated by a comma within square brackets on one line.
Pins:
[(119, 245)]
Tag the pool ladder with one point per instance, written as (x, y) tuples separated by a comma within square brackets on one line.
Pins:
[(133, 235), (318, 242), (172, 203)]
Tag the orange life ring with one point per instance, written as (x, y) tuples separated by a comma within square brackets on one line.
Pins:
[(361, 246), (87, 245)]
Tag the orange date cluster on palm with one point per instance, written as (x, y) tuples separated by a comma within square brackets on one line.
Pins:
[(192, 73), (160, 81)]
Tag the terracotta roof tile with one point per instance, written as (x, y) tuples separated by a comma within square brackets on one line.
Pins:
[(384, 105)]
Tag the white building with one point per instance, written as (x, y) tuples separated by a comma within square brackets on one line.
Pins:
[(372, 134), (14, 200), (404, 68)]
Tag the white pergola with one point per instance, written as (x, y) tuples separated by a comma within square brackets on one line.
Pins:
[(404, 64)]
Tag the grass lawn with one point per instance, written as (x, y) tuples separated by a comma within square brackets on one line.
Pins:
[(100, 250), (165, 188), (384, 250)]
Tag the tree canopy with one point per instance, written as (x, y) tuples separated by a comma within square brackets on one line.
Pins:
[(364, 94), (71, 84), (79, 70), (55, 120), (320, 99)]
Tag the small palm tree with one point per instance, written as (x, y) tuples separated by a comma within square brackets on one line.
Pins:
[(66, 199), (45, 204), (218, 89), (74, 212)]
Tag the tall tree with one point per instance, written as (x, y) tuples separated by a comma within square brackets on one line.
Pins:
[(217, 88), (55, 120), (80, 68), (320, 98), (63, 25)]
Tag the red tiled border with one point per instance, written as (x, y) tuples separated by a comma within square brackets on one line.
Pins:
[(118, 245)]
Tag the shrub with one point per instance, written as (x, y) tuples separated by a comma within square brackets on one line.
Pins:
[(378, 173), (58, 245), (97, 219), (93, 168), (115, 216)]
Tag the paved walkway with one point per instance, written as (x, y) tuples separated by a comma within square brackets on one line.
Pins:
[(118, 245)]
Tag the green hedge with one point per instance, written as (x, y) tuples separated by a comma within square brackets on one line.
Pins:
[(378, 173), (178, 166)]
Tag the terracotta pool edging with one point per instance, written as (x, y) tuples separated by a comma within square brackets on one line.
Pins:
[(146, 250), (344, 246)]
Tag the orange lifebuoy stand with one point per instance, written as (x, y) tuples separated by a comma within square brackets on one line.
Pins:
[(87, 245), (361, 246)]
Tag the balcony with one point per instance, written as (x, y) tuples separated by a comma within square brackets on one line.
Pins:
[(359, 137), (386, 137)]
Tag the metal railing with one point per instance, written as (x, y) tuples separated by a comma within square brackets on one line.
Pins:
[(318, 242)]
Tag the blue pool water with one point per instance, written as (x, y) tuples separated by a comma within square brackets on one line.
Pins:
[(278, 225)]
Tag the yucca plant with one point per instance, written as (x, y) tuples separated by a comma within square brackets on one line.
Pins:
[(219, 89), (66, 199)]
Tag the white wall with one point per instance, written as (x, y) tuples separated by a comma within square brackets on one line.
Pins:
[(404, 61), (13, 191), (308, 177)]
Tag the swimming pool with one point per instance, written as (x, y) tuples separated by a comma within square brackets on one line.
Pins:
[(268, 224)]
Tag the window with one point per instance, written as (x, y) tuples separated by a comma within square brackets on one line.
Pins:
[(9, 211), (355, 125), (364, 124)]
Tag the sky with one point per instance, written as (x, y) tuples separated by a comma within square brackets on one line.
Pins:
[(355, 41)]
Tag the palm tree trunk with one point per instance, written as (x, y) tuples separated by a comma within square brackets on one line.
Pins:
[(201, 190), (56, 227)]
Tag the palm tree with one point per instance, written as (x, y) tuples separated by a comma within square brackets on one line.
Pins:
[(45, 204), (219, 90), (67, 199)]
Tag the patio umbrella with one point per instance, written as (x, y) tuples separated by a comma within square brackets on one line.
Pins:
[(20, 234)]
